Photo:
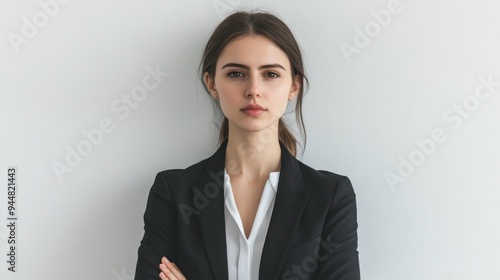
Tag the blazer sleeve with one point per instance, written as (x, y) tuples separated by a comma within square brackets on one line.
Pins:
[(339, 240), (159, 231)]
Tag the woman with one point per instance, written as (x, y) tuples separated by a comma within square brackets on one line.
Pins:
[(251, 210)]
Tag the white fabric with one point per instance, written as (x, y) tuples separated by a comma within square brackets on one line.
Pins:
[(243, 255)]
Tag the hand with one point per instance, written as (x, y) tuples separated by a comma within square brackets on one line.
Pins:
[(169, 271)]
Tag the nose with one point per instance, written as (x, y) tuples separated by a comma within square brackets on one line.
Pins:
[(254, 87)]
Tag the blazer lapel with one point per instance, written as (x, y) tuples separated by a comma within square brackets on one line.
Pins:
[(210, 192), (291, 199)]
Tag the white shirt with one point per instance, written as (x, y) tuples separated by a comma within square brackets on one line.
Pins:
[(243, 255)]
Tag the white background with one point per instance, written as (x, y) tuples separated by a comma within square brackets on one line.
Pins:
[(363, 111)]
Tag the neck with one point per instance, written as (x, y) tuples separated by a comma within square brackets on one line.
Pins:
[(253, 155)]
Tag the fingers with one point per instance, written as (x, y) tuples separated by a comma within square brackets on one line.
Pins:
[(170, 271)]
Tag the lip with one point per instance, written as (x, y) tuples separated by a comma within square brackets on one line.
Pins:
[(253, 110), (253, 107)]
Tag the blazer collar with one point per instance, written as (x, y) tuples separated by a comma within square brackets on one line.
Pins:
[(291, 199), (211, 214)]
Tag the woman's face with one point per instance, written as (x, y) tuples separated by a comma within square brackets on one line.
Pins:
[(253, 71)]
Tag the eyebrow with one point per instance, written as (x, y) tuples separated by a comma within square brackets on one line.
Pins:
[(231, 64)]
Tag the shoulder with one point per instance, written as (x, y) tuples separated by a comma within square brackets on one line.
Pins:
[(327, 183), (188, 174), (321, 176)]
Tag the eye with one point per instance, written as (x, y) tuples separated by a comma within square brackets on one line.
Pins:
[(235, 74), (272, 75)]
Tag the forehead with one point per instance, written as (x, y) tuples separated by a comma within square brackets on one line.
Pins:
[(253, 51)]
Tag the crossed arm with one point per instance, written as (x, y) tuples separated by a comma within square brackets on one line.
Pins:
[(169, 271)]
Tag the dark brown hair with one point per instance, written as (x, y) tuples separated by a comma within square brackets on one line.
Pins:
[(265, 24)]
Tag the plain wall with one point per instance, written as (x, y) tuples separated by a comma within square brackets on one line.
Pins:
[(406, 106)]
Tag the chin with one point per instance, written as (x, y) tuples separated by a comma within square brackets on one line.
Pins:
[(254, 125)]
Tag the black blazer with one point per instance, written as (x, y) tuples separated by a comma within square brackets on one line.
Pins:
[(312, 232)]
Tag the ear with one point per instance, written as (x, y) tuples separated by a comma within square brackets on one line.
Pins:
[(210, 84), (294, 89)]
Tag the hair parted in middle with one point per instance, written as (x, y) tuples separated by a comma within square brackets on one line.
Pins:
[(240, 24)]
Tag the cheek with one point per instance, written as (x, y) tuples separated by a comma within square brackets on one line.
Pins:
[(229, 91), (279, 104), (225, 107), (228, 102)]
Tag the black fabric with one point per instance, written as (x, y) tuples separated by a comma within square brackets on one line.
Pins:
[(312, 233)]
